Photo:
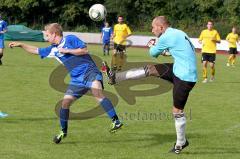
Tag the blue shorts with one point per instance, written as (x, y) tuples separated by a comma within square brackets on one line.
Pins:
[(78, 88), (106, 42), (1, 43)]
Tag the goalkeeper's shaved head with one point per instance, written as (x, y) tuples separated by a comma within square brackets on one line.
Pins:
[(159, 25), (161, 20)]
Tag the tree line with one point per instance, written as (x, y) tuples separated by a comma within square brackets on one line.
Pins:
[(188, 15)]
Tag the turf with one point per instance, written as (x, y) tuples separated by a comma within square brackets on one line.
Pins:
[(213, 126)]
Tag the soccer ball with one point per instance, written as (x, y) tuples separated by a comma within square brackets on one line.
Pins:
[(97, 12)]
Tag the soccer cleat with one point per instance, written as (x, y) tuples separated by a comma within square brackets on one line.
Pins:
[(110, 74), (115, 126), (177, 149), (58, 138), (3, 115), (1, 62), (211, 79), (205, 80)]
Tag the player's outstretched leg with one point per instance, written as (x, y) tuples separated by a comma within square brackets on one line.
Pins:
[(106, 105), (64, 116), (132, 74)]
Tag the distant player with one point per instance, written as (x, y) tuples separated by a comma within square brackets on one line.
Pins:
[(232, 39), (182, 73), (106, 35), (209, 39), (73, 54), (120, 33), (3, 29), (3, 115)]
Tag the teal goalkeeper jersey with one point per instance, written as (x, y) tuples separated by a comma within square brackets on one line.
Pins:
[(182, 51)]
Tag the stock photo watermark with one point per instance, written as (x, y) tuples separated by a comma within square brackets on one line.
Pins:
[(125, 90), (152, 116)]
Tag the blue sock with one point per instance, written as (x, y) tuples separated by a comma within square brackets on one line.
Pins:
[(109, 109), (64, 115)]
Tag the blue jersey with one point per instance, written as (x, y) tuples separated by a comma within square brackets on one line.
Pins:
[(106, 34), (181, 49), (80, 67), (3, 26)]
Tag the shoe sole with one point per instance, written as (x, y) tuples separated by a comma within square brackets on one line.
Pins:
[(115, 130)]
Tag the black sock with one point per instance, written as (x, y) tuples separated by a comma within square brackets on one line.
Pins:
[(114, 118)]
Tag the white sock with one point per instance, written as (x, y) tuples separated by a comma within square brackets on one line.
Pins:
[(180, 124), (135, 73)]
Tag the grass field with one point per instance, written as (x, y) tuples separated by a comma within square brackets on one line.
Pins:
[(213, 130)]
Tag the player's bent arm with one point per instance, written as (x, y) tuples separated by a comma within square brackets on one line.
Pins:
[(154, 51), (29, 48), (79, 51), (127, 36), (113, 35)]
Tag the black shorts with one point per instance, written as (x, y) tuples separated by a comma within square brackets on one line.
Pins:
[(232, 50), (208, 57), (119, 48), (181, 88)]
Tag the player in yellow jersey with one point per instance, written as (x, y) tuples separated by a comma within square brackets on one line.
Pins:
[(209, 39), (232, 39), (120, 33)]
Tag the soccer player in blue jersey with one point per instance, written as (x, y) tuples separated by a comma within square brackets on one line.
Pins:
[(182, 73), (73, 54), (3, 29), (106, 35)]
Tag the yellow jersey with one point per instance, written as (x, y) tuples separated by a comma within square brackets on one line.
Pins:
[(232, 40), (120, 32), (207, 37)]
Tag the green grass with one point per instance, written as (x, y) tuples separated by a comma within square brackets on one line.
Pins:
[(213, 130)]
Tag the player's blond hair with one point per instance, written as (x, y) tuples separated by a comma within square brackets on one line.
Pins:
[(54, 28)]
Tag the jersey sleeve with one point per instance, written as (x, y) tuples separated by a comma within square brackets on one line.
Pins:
[(114, 29), (156, 50), (218, 37), (201, 36), (128, 30), (77, 43), (44, 52), (228, 36)]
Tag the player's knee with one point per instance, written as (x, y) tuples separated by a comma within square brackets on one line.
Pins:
[(212, 65), (98, 95), (151, 70), (66, 103)]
